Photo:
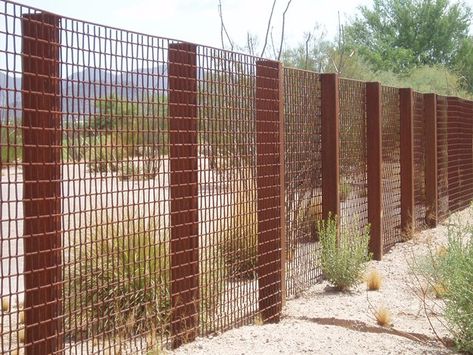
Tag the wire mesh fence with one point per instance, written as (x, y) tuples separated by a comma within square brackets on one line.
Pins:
[(155, 190), (419, 162), (303, 177), (353, 188), (391, 171)]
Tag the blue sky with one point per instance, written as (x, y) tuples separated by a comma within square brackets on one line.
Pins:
[(197, 20)]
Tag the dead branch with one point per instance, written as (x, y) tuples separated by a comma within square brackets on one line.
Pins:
[(282, 29), (267, 29), (223, 29)]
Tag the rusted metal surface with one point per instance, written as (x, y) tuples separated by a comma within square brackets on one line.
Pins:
[(391, 167), (460, 165), (353, 184), (42, 232), (269, 161), (442, 157), (419, 162), (183, 192), (302, 112), (374, 146), (406, 103), (153, 190), (431, 168), (330, 111)]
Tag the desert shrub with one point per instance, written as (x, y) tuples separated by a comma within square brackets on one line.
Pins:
[(239, 246), (383, 316), (344, 252), (455, 276), (142, 169), (118, 278)]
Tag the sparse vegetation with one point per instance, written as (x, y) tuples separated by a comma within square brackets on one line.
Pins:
[(309, 215), (5, 304), (240, 237), (448, 272), (344, 252), (373, 280), (120, 278), (383, 316)]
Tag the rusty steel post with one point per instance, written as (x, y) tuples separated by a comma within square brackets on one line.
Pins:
[(270, 202), (431, 186), (406, 110), (330, 145), (282, 182), (42, 183), (375, 205), (182, 69)]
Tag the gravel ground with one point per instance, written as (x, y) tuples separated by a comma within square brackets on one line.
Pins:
[(322, 321)]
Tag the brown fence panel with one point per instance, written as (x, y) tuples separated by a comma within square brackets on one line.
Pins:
[(460, 176), (269, 179), (42, 184), (182, 81), (353, 154), (228, 198), (442, 157), (374, 148), (431, 169), (391, 169), (303, 161), (419, 162)]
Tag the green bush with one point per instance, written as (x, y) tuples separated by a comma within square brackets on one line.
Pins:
[(452, 268), (344, 252)]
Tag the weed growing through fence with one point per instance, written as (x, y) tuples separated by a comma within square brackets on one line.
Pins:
[(344, 252)]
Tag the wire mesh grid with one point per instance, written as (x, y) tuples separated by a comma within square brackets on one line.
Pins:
[(419, 162), (460, 175), (303, 177), (353, 154), (391, 167), (442, 157), (227, 180)]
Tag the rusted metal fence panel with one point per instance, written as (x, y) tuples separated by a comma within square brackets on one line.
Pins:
[(153, 190), (353, 154), (183, 160), (374, 158), (460, 165), (442, 157), (303, 162), (41, 183), (269, 181), (228, 199), (431, 169), (391, 169), (419, 162), (406, 103), (330, 111)]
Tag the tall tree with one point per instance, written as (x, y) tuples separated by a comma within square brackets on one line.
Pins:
[(400, 34)]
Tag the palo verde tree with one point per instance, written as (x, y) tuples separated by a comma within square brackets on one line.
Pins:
[(398, 35)]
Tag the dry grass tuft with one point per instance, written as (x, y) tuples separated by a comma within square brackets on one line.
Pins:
[(439, 290), (5, 304), (373, 280), (383, 316), (21, 317), (21, 336)]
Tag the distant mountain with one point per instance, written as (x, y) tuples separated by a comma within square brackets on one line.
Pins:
[(80, 89)]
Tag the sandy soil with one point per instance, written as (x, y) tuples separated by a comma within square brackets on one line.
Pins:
[(322, 321)]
